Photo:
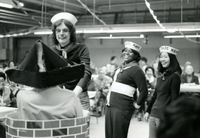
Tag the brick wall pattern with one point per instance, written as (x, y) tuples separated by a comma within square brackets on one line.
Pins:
[(62, 128)]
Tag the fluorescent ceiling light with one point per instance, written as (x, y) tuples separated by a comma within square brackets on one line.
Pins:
[(130, 28), (88, 31), (1, 36), (116, 37), (182, 36), (6, 5), (43, 33), (119, 31)]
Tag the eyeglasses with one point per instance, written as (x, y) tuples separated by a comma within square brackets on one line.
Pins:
[(66, 30)]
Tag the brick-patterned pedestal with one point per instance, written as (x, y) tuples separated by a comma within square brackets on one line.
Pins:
[(63, 128)]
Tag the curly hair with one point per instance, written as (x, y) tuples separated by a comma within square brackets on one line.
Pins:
[(72, 30), (181, 119)]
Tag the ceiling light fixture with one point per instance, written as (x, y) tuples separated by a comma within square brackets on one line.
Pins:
[(47, 32), (117, 37), (119, 31), (2, 36), (142, 28), (7, 4), (128, 30), (182, 36)]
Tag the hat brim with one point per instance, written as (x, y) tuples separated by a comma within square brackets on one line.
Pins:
[(46, 79)]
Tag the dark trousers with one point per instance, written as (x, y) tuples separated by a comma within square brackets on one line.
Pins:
[(117, 122)]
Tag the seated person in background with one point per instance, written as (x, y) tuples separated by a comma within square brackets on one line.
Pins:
[(102, 86), (6, 96), (41, 71), (189, 77), (181, 119), (186, 63)]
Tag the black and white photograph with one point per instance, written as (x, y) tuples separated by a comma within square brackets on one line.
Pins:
[(99, 69)]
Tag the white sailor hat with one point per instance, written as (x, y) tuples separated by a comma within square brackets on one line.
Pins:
[(168, 49), (64, 15), (132, 45)]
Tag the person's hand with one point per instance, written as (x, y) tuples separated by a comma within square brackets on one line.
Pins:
[(146, 116), (136, 106)]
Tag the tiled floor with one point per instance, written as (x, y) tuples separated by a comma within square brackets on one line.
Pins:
[(136, 129)]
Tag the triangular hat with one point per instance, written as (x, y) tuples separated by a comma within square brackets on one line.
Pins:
[(54, 70)]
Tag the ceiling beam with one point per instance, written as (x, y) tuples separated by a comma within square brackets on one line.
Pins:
[(13, 13), (143, 11), (20, 15), (17, 23), (51, 5), (70, 4), (128, 4), (15, 17)]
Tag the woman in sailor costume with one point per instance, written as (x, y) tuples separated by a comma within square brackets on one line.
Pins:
[(167, 88), (127, 80)]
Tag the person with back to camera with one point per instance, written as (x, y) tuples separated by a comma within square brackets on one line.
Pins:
[(40, 73), (181, 119), (39, 96), (120, 102), (167, 87), (65, 45)]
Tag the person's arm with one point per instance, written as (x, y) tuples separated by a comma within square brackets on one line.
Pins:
[(152, 101), (84, 59), (148, 111), (175, 87), (141, 83)]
